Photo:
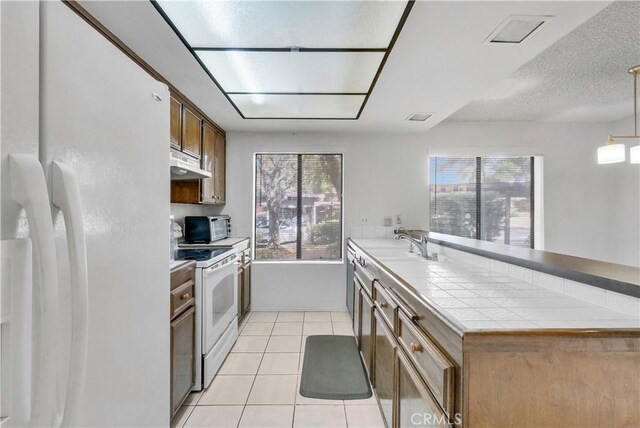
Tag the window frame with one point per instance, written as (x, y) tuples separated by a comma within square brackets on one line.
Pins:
[(536, 191), (338, 261)]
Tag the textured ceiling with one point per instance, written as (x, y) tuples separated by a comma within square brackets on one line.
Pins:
[(581, 78), (437, 65)]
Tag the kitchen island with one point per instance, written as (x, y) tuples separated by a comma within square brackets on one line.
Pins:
[(472, 341)]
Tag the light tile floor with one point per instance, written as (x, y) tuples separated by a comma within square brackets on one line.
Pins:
[(258, 384)]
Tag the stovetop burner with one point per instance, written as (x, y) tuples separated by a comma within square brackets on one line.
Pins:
[(201, 254)]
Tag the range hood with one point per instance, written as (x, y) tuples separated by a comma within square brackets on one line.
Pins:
[(184, 167)]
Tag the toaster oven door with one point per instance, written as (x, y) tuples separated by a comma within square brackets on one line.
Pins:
[(219, 228)]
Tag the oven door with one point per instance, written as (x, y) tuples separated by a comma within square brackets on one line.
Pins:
[(219, 300)]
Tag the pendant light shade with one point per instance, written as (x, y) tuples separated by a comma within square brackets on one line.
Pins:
[(611, 153), (634, 154)]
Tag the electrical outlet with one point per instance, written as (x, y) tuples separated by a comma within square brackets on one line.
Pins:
[(364, 221), (398, 219), (388, 221)]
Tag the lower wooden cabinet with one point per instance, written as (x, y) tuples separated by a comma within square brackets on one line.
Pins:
[(385, 349), (244, 290), (182, 349), (182, 329), (366, 332), (416, 406), (357, 303)]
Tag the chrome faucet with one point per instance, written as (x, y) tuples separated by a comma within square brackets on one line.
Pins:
[(403, 233)]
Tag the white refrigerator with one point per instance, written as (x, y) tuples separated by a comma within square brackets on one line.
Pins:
[(84, 198)]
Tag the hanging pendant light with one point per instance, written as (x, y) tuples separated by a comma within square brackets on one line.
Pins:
[(634, 154), (611, 153), (614, 152)]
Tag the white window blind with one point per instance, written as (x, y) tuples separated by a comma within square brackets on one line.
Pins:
[(489, 198)]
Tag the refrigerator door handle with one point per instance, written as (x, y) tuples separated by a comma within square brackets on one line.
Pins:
[(29, 189), (65, 195)]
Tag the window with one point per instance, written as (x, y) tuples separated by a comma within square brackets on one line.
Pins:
[(298, 207), (489, 198)]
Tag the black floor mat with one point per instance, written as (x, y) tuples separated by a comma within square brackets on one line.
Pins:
[(333, 370)]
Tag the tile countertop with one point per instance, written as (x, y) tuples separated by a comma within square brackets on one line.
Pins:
[(479, 299)]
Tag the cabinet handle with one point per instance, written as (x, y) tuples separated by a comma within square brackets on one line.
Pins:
[(383, 304), (415, 347), (184, 296)]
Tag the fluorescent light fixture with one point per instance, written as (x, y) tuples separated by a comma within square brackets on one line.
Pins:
[(516, 28), (290, 59), (292, 72), (279, 106), (634, 154), (418, 117), (280, 24), (611, 153)]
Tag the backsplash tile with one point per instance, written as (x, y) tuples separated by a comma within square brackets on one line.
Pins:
[(585, 292), (523, 274), (547, 281), (355, 232), (368, 231), (624, 304)]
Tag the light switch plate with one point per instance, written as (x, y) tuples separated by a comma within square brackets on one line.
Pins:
[(398, 219)]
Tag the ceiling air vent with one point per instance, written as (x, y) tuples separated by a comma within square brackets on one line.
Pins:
[(418, 117), (515, 29)]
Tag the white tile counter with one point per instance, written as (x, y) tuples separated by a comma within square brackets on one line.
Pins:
[(476, 293)]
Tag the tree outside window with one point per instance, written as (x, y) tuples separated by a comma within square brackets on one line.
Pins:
[(298, 207)]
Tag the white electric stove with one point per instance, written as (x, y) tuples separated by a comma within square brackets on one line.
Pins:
[(216, 308)]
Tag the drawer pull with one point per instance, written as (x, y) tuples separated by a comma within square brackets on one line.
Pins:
[(400, 302), (415, 347), (184, 296), (383, 304)]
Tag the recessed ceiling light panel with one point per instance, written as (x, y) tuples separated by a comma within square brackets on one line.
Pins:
[(290, 59), (310, 72), (278, 106), (418, 117), (515, 29)]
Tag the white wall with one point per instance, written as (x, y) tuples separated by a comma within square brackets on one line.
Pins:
[(179, 211), (587, 210), (584, 211), (383, 175)]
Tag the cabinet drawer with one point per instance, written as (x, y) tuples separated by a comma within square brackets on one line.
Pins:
[(366, 280), (183, 274), (434, 367), (385, 304), (182, 297)]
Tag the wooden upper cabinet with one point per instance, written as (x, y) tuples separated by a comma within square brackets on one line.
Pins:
[(191, 132), (207, 186), (176, 124), (219, 168)]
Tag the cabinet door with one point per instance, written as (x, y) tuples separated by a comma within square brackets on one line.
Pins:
[(207, 185), (246, 288), (182, 349), (366, 332), (416, 405), (357, 310), (384, 367), (219, 168), (176, 123), (191, 132), (240, 288)]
